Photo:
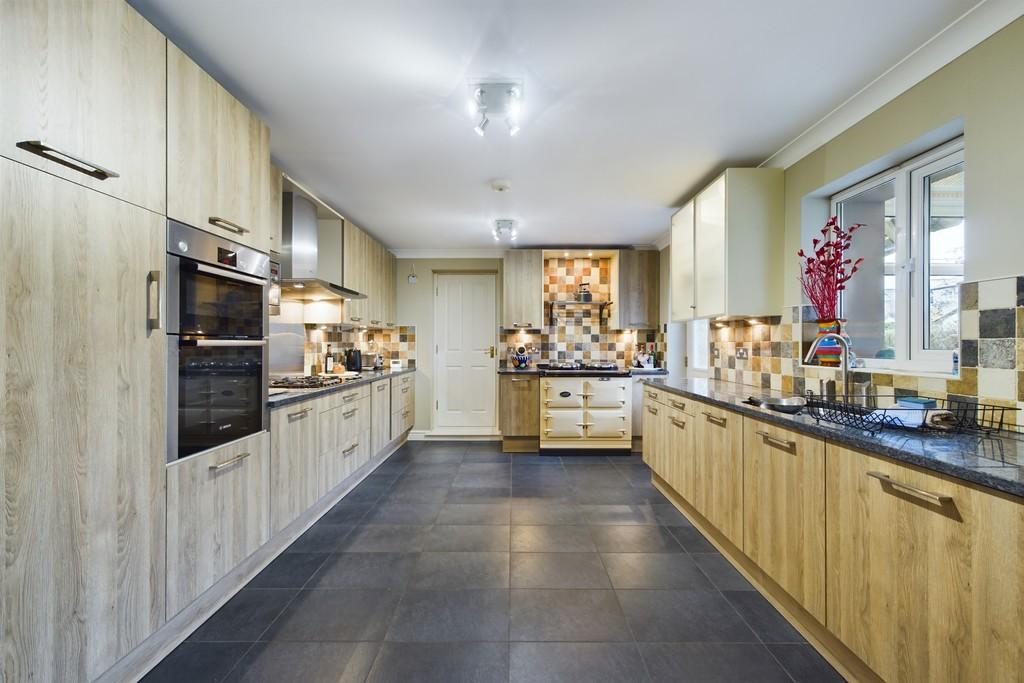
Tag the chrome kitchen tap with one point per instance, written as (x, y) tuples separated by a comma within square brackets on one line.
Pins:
[(844, 359)]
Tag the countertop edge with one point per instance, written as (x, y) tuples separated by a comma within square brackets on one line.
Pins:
[(301, 395)]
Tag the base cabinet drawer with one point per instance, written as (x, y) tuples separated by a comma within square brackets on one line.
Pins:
[(341, 432), (294, 462), (218, 513)]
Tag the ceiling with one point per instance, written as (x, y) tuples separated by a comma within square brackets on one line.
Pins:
[(628, 107)]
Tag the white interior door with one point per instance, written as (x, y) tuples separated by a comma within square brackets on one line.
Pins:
[(465, 325)]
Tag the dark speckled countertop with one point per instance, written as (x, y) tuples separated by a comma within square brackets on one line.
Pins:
[(535, 370), (996, 462), (290, 396)]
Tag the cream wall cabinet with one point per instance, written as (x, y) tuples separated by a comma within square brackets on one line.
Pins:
[(683, 299), (523, 289), (75, 105)]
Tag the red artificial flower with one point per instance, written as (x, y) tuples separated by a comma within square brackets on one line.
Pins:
[(826, 273)]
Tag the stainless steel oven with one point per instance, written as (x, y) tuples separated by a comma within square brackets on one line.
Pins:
[(217, 325)]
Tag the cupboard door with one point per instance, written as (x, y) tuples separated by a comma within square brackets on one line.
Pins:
[(354, 272), (925, 578), (718, 471), (562, 423), (709, 250), (86, 80), (650, 428), (519, 407), (677, 437), (294, 458), (380, 416), (608, 393), (83, 439), (784, 506), (683, 297), (523, 289), (607, 423), (331, 443), (218, 513), (638, 290)]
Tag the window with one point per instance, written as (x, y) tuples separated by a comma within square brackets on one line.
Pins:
[(903, 307), (697, 347)]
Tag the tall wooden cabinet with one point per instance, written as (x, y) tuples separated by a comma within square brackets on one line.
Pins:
[(635, 292), (82, 442), (523, 289), (74, 104)]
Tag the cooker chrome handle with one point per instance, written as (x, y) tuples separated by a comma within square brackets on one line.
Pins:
[(222, 342), (223, 272)]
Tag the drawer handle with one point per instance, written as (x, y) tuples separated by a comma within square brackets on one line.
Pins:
[(382, 387), (714, 419), (356, 319), (228, 225), (350, 413), (90, 169), (778, 443), (519, 379), (937, 498), (228, 463), (651, 394), (405, 413), (584, 424), (405, 390), (678, 405), (155, 323), (585, 395), (297, 413), (350, 448), (678, 423), (375, 322), (652, 411), (348, 398), (527, 325)]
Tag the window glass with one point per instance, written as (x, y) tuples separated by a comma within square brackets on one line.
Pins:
[(943, 210), (698, 336)]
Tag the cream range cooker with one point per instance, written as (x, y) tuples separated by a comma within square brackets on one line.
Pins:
[(589, 411)]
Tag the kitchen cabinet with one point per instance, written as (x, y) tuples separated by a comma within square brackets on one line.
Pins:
[(737, 245), (403, 404), (356, 272), (784, 510), (519, 412), (294, 462), (718, 473), (652, 446), (390, 289), (82, 444), (925, 573), (380, 415), (344, 426), (219, 175), (218, 513), (271, 202), (75, 106), (523, 289), (635, 290)]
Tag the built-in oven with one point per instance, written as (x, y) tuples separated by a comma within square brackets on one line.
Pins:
[(217, 325)]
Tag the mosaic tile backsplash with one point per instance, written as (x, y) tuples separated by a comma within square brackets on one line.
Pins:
[(581, 332), (394, 343), (991, 354)]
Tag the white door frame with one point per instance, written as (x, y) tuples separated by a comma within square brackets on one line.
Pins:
[(477, 432)]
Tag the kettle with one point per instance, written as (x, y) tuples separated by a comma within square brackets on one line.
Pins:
[(354, 360)]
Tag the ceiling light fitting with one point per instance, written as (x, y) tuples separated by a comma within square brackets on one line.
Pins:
[(505, 230), (496, 100)]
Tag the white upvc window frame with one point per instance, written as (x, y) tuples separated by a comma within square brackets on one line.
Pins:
[(911, 256), (698, 354)]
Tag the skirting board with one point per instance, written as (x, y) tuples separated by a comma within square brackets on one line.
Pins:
[(477, 435), (831, 648), (151, 651)]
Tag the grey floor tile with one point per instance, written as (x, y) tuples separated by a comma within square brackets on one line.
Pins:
[(402, 513), (535, 493), (385, 539), (497, 469), (655, 571), (422, 468), (441, 663), (365, 570), (535, 459), (425, 480), (289, 570), (711, 663), (245, 616), (576, 663), (539, 512), (451, 616), (539, 475), (683, 616), (760, 615), (668, 515), (478, 494), (464, 480), (634, 539), (599, 476), (366, 493), (346, 513), (197, 663), (552, 539), (692, 540), (619, 514), (467, 538), (414, 494), (567, 615), (274, 662), (321, 538), (620, 495), (335, 615), (804, 664), (591, 459), (479, 513), (461, 570), (487, 456), (721, 572), (558, 570)]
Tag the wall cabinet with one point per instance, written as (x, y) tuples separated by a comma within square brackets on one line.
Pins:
[(219, 175), (370, 269), (218, 513), (83, 439), (356, 272), (718, 470), (635, 290), (294, 462), (784, 510), (736, 234), (523, 289), (925, 578), (75, 106), (380, 415)]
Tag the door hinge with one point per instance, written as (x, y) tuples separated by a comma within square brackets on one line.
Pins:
[(437, 405)]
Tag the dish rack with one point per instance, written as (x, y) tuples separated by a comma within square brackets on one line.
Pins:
[(854, 412)]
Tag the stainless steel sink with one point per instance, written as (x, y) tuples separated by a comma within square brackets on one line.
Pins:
[(790, 405)]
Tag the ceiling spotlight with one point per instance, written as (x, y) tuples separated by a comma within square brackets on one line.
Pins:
[(590, 253), (566, 254), (481, 127), (513, 127), (496, 100), (505, 230)]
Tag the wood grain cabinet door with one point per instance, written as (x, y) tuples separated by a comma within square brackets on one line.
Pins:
[(84, 95), (523, 289), (718, 470), (677, 438), (83, 438), (380, 416), (925, 573), (638, 291), (294, 459), (784, 510), (650, 430), (519, 410)]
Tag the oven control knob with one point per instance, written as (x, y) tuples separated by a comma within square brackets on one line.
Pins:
[(183, 245)]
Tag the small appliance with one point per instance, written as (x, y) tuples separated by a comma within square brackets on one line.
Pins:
[(354, 360)]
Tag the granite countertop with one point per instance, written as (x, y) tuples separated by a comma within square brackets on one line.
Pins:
[(290, 396), (626, 372), (996, 462)]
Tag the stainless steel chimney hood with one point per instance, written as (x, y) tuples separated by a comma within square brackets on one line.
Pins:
[(311, 254)]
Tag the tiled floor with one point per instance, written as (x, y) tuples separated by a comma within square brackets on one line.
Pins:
[(454, 562)]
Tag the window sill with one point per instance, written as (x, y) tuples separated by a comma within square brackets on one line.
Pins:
[(927, 371)]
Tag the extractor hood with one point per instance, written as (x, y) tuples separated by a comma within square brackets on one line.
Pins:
[(311, 254)]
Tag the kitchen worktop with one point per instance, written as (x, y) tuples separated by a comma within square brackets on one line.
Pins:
[(290, 396), (996, 462), (622, 372)]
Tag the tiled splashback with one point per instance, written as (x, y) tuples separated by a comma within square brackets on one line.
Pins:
[(991, 353), (398, 342)]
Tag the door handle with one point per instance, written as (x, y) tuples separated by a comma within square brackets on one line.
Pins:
[(382, 387), (228, 225), (678, 423), (713, 419), (937, 498), (778, 443), (523, 325), (652, 411), (300, 412), (350, 413), (55, 155), (228, 463), (679, 405), (157, 323), (491, 352), (350, 448), (520, 380)]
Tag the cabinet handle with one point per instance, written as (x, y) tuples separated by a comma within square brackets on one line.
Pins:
[(382, 387), (678, 405), (350, 413), (356, 319), (405, 390), (678, 423), (228, 225), (405, 413), (778, 443), (375, 322), (527, 325), (713, 419), (350, 448), (651, 394), (156, 323), (520, 379), (53, 154), (228, 463), (937, 498), (348, 398), (300, 412), (652, 411), (584, 424)]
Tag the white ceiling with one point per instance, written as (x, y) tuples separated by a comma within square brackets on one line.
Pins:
[(629, 106)]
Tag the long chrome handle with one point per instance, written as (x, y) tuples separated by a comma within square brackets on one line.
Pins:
[(228, 225), (350, 413), (519, 379), (651, 394), (405, 390), (652, 411), (522, 325), (157, 323), (350, 448), (300, 412), (937, 498), (225, 273), (55, 155), (349, 397), (375, 322), (677, 404), (382, 386), (678, 423), (222, 342), (778, 443), (584, 424), (228, 463), (714, 419)]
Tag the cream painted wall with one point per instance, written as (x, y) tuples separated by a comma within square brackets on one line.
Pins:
[(983, 90), (416, 307)]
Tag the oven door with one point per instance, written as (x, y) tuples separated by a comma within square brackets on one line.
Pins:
[(220, 394), (210, 301)]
